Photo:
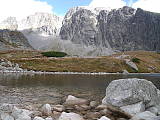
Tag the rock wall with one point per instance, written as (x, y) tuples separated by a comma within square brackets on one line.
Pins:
[(124, 29)]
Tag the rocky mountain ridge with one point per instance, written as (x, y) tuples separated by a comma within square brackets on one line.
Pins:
[(93, 31), (13, 40), (41, 23), (124, 29)]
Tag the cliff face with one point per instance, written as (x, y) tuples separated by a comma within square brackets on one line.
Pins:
[(13, 40), (41, 23), (124, 29)]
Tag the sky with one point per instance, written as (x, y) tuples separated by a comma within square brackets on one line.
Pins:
[(22, 8)]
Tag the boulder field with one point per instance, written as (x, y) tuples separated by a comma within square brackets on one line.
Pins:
[(126, 99)]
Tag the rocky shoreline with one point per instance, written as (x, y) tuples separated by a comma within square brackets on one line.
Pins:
[(9, 67), (126, 99)]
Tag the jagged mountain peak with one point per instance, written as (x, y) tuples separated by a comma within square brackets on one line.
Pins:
[(122, 29), (44, 23), (9, 23)]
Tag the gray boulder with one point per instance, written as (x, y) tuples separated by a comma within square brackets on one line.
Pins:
[(134, 109), (145, 116), (6, 116), (125, 92)]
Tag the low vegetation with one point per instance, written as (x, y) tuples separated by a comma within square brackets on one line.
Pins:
[(135, 60), (54, 54), (33, 60)]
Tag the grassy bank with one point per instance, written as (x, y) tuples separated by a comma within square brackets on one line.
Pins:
[(33, 60)]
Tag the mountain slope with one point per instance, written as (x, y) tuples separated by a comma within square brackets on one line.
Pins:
[(125, 29), (13, 40)]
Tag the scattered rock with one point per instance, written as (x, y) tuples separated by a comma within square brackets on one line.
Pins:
[(104, 118), (56, 114), (145, 116), (24, 117), (131, 64), (49, 118), (36, 113), (6, 116), (70, 116), (46, 109), (38, 118), (21, 113), (93, 104), (71, 100), (125, 72), (58, 108), (101, 107), (6, 107), (93, 115), (82, 107), (105, 112)]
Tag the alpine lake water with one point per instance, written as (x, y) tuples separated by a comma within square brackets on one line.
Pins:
[(17, 88)]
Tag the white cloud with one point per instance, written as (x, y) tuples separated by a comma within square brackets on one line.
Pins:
[(130, 2), (112, 4), (22, 8), (149, 5)]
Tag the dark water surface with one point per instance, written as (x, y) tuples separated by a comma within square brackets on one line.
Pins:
[(45, 88)]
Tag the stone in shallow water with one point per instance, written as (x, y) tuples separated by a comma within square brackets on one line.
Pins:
[(71, 100), (70, 116), (46, 109), (125, 92)]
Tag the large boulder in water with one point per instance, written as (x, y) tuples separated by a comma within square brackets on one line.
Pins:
[(126, 92)]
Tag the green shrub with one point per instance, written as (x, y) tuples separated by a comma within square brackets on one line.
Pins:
[(54, 54), (136, 60)]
